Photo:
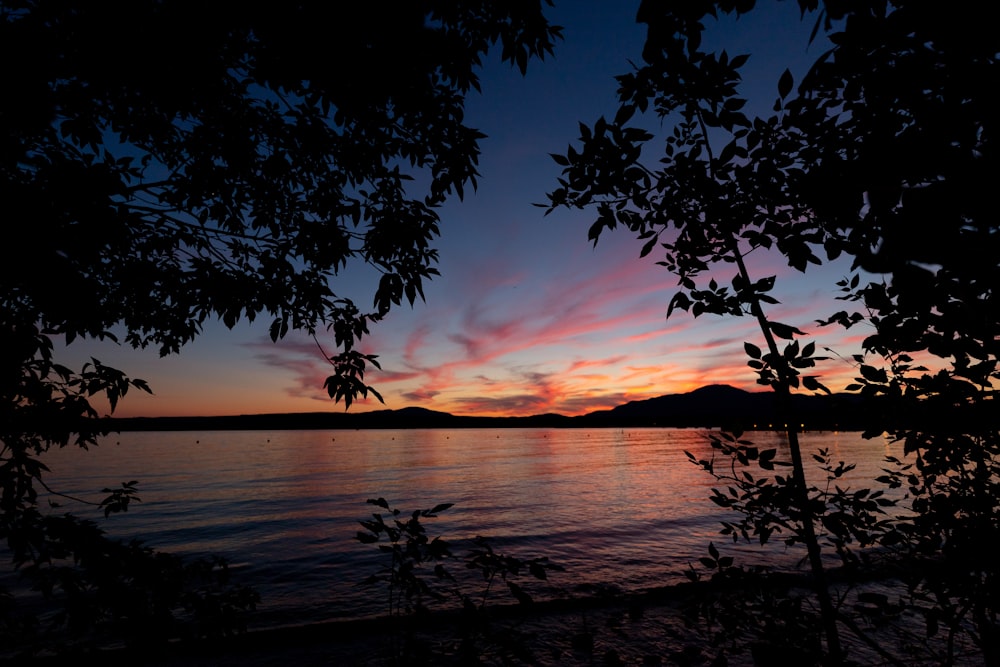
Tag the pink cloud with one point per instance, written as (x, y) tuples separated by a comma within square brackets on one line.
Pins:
[(523, 404), (307, 375), (497, 348), (420, 396), (595, 363), (414, 343)]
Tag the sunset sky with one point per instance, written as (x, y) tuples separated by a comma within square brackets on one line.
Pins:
[(527, 316)]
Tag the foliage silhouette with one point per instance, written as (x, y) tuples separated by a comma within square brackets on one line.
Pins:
[(412, 552), (155, 188), (889, 132)]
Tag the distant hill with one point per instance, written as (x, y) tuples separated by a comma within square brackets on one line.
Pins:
[(711, 406), (723, 405)]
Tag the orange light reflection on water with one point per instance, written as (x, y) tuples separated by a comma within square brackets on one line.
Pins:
[(618, 505)]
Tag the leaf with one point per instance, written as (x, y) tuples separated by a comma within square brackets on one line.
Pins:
[(872, 374), (648, 247), (381, 502), (624, 114), (439, 508), (278, 329), (727, 152), (560, 160), (812, 384), (519, 593), (785, 84), (721, 500), (142, 384), (784, 331), (738, 61), (752, 350), (679, 300)]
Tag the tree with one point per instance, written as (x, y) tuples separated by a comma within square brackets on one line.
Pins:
[(890, 132), (166, 163), (912, 135)]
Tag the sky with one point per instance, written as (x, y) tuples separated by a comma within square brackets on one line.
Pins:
[(527, 316)]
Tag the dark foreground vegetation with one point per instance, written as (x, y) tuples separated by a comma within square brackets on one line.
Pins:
[(154, 188), (887, 133)]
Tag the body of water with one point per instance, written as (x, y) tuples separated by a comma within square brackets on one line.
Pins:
[(622, 508)]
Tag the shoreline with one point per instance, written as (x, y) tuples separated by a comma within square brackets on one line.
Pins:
[(578, 629), (604, 627)]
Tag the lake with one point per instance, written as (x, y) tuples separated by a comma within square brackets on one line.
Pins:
[(614, 507)]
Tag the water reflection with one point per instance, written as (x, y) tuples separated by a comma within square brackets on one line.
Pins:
[(621, 506)]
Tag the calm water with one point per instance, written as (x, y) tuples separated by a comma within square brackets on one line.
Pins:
[(614, 507)]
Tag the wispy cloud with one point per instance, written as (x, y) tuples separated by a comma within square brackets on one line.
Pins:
[(589, 337), (419, 396)]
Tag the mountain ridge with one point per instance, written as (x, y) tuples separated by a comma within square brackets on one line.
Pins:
[(717, 405)]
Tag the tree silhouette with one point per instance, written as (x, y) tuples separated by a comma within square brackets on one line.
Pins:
[(882, 152), (168, 163)]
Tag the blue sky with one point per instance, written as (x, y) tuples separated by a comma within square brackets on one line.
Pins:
[(527, 316)]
